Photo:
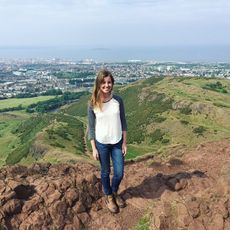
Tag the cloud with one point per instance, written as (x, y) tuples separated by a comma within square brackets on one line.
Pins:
[(113, 21), (52, 3)]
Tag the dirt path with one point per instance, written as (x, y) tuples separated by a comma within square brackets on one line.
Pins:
[(149, 186)]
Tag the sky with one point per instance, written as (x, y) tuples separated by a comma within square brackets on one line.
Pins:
[(102, 24)]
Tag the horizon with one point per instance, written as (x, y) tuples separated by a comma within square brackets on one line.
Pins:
[(195, 53)]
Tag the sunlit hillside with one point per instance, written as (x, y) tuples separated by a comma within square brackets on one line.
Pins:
[(164, 115)]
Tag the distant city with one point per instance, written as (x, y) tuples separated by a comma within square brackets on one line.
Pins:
[(36, 76)]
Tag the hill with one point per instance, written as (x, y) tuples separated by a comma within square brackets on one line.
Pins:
[(168, 113), (51, 137), (185, 193), (164, 115), (176, 174)]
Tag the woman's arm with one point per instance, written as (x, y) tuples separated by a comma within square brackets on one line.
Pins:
[(124, 145), (91, 132)]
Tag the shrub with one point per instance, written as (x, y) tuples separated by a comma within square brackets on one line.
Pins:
[(157, 135), (186, 110), (165, 141), (199, 130), (184, 122), (218, 87)]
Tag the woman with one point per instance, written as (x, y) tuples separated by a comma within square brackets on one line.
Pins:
[(107, 133)]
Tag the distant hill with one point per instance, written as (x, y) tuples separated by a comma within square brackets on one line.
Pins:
[(164, 115)]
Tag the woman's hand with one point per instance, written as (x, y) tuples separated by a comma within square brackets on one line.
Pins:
[(124, 148), (124, 145), (95, 154)]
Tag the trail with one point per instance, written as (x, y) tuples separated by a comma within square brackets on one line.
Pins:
[(189, 193)]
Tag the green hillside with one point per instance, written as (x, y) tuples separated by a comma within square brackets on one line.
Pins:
[(8, 141), (169, 113), (52, 137), (164, 115)]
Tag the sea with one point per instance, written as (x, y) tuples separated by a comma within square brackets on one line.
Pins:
[(208, 54)]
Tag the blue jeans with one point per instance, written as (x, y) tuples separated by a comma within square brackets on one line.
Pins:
[(115, 151)]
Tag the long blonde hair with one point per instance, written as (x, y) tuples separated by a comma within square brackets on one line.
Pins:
[(96, 101)]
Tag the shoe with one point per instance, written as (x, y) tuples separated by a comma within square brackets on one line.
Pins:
[(119, 201), (111, 205)]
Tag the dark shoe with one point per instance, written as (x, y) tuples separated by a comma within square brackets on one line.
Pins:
[(119, 201), (111, 205)]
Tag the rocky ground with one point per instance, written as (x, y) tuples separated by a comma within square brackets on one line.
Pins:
[(191, 192)]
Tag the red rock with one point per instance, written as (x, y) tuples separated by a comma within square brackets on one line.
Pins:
[(71, 196), (77, 223), (55, 196), (58, 212), (15, 223), (2, 186), (42, 188), (171, 183), (37, 219), (193, 208), (183, 183), (227, 225), (79, 207), (204, 208), (11, 195), (196, 225), (12, 207), (84, 217), (69, 227), (66, 183), (32, 204), (13, 184), (217, 222), (3, 226), (92, 179)]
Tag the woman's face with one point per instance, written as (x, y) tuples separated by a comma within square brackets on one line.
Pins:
[(107, 85)]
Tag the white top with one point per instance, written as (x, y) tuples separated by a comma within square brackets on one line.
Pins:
[(108, 128)]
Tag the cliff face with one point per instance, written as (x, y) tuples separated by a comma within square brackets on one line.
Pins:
[(48, 196), (190, 192)]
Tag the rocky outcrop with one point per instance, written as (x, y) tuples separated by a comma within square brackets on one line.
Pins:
[(190, 192), (46, 196)]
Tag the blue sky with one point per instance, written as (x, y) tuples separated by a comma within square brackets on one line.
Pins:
[(110, 23)]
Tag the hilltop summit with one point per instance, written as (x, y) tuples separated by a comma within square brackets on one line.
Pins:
[(190, 192)]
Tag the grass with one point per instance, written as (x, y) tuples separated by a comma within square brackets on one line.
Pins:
[(135, 151), (8, 140), (59, 141), (155, 125), (14, 102), (143, 223)]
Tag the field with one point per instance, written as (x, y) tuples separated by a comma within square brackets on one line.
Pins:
[(24, 102)]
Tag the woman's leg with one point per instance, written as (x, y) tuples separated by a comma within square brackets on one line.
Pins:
[(104, 156), (118, 165)]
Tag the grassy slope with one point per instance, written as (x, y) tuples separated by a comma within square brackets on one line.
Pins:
[(156, 121), (65, 138), (9, 141), (49, 137)]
